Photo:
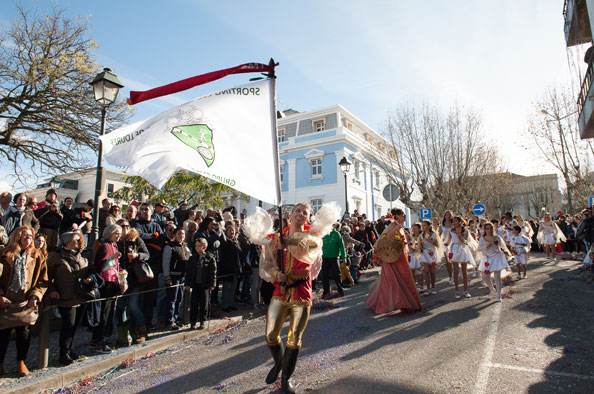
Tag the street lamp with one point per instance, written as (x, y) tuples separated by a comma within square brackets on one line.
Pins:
[(345, 166), (106, 86)]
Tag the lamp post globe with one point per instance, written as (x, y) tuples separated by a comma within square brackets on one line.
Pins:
[(106, 87)]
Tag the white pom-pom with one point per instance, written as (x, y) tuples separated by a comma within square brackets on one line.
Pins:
[(325, 218), (257, 227)]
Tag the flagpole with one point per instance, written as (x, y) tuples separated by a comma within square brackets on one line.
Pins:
[(281, 254)]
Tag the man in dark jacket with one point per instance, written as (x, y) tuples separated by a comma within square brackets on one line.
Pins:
[(49, 218), (200, 277), (19, 215), (68, 215), (175, 260), (229, 266)]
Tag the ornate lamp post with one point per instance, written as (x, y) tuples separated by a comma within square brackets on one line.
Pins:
[(106, 86), (345, 166)]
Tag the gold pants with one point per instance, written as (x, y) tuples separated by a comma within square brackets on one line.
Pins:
[(346, 274), (276, 316)]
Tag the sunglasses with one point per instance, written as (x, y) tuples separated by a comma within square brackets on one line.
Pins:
[(125, 226)]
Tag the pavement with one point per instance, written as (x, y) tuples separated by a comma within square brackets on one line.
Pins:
[(537, 340)]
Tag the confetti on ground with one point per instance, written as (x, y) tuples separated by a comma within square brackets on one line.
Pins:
[(149, 355), (127, 363)]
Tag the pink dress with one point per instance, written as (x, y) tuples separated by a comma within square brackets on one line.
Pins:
[(395, 288)]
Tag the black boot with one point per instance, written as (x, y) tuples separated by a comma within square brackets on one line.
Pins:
[(289, 362), (277, 356)]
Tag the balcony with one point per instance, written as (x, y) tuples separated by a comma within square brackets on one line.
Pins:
[(585, 104), (577, 22)]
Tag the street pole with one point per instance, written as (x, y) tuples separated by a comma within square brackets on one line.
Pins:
[(98, 182), (346, 199)]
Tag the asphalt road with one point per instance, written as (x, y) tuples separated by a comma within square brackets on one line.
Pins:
[(537, 340)]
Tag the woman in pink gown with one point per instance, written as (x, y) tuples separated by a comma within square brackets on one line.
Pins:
[(395, 288)]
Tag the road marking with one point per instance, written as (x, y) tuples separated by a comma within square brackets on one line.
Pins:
[(482, 377), (543, 371)]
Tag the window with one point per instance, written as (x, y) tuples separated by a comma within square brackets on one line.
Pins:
[(109, 189), (281, 135), (377, 179), (316, 204), (357, 168), (319, 125), (282, 174), (316, 167)]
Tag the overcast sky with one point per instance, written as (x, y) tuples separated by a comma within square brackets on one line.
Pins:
[(496, 57)]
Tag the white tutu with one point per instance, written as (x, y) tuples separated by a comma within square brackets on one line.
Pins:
[(493, 262), (462, 254), (521, 258), (429, 257), (415, 262), (549, 239)]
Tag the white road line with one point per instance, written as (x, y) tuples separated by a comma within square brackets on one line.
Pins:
[(482, 377), (543, 371)]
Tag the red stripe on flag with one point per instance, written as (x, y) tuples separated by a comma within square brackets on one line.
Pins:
[(185, 84)]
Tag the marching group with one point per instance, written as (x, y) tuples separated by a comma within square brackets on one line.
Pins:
[(133, 279)]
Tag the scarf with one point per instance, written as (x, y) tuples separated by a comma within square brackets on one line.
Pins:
[(19, 278)]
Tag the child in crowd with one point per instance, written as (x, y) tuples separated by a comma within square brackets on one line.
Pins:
[(431, 252), (520, 247), (415, 245)]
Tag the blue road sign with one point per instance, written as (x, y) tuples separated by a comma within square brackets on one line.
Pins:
[(479, 209), (591, 199), (425, 213)]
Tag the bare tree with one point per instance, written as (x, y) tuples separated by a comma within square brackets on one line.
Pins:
[(439, 157), (554, 126), (49, 120)]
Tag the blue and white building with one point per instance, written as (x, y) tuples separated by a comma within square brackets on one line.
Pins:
[(311, 144)]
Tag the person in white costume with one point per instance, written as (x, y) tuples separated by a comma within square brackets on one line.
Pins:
[(521, 246), (414, 245), (493, 261), (461, 253), (549, 235), (431, 251), (445, 231)]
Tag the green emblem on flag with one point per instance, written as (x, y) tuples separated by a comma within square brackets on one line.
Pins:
[(198, 137)]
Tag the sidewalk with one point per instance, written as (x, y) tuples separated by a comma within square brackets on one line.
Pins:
[(57, 376)]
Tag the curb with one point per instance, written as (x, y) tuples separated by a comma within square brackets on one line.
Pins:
[(71, 376)]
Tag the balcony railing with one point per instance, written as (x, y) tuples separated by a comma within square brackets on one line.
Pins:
[(585, 89)]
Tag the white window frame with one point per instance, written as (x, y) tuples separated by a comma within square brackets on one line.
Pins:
[(313, 156), (316, 122), (281, 135), (357, 168), (316, 167), (377, 180), (313, 204), (282, 174)]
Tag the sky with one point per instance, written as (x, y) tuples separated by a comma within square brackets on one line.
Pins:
[(496, 57)]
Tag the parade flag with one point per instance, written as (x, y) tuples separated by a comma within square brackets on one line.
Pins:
[(228, 136), (185, 84)]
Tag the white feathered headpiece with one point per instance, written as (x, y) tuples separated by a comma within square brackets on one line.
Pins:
[(324, 219), (258, 226)]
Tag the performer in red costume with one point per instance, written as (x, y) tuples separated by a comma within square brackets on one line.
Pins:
[(395, 288), (292, 297)]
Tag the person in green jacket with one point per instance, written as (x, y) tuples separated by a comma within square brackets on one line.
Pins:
[(332, 250)]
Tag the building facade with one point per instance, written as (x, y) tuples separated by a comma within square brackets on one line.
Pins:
[(579, 18), (80, 185), (311, 145)]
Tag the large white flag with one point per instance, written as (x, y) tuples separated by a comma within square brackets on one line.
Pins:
[(227, 136)]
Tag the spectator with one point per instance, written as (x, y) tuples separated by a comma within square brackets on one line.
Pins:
[(381, 225), (148, 229), (181, 214), (3, 237), (229, 266), (115, 214), (5, 199), (32, 203), (333, 250), (585, 231), (562, 223), (200, 278), (49, 219), (84, 220), (133, 251), (191, 218), (40, 244), (191, 232), (108, 265), (23, 281), (19, 215), (68, 270), (131, 214), (103, 214), (175, 259), (68, 215), (159, 216)]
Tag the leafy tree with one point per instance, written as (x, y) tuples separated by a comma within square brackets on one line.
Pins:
[(184, 185), (49, 120)]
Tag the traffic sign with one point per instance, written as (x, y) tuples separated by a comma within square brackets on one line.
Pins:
[(479, 209), (591, 199), (425, 213), (391, 192)]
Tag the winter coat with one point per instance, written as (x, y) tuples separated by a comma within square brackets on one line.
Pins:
[(132, 244), (229, 259), (15, 218), (37, 281), (201, 271)]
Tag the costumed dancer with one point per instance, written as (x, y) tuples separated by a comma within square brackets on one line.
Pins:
[(292, 278), (527, 231), (445, 232), (494, 260), (415, 246), (395, 288), (474, 233), (521, 247), (549, 235), (432, 250), (461, 253)]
